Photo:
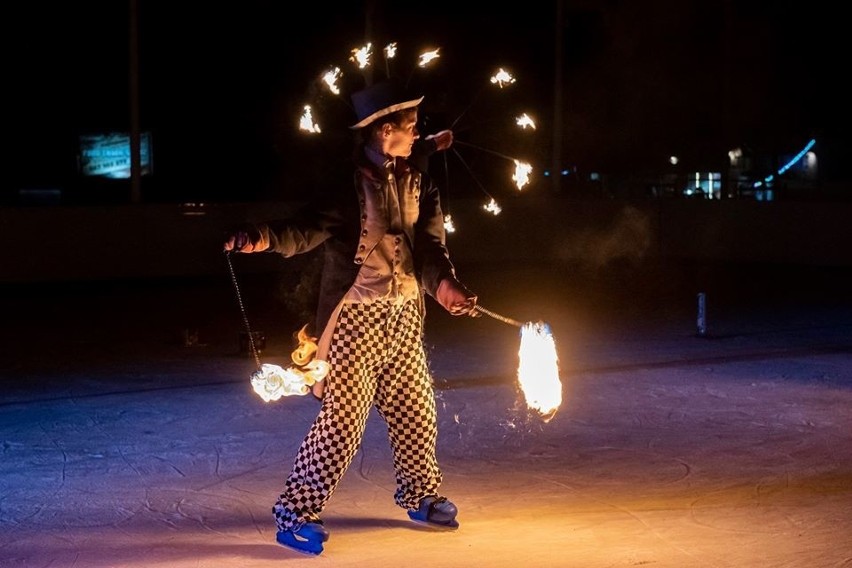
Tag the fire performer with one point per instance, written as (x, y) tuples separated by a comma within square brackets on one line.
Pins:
[(384, 247)]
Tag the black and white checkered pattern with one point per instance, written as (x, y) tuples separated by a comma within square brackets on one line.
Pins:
[(377, 359)]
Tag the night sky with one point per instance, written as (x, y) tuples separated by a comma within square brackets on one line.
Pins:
[(222, 85)]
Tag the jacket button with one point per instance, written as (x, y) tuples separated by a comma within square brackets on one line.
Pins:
[(362, 247), (358, 260), (364, 233)]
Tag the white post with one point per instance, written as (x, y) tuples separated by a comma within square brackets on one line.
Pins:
[(701, 320)]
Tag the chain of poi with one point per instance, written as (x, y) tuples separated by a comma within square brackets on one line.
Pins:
[(242, 309), (497, 316)]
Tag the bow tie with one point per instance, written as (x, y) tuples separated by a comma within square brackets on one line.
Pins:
[(399, 167)]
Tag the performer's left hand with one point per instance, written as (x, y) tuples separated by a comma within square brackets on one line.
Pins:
[(456, 298)]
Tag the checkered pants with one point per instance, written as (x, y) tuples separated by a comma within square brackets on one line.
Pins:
[(377, 359)]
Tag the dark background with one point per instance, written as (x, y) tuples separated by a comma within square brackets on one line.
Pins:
[(222, 85)]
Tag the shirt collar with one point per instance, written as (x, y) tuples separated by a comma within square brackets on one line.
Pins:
[(379, 159)]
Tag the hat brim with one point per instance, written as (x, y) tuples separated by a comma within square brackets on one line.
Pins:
[(386, 111)]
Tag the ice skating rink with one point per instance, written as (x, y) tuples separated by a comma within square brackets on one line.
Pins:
[(131, 436)]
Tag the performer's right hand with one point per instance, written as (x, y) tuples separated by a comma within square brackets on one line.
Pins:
[(245, 238)]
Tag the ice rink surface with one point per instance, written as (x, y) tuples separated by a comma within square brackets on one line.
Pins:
[(131, 436)]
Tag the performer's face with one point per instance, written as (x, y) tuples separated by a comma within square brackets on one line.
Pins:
[(400, 138)]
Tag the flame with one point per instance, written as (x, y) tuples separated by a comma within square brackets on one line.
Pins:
[(272, 382), (492, 207), (524, 120), (449, 226), (306, 122), (330, 78), (303, 354), (427, 56), (538, 370), (361, 55), (390, 50), (521, 177), (502, 77)]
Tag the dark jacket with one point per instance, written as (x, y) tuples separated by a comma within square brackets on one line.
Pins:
[(348, 231)]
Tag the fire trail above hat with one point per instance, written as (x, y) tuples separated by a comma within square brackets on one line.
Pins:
[(380, 100)]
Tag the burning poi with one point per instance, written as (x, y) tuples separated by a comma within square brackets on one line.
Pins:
[(271, 382), (538, 368)]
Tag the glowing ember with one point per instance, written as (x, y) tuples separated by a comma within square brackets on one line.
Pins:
[(449, 226), (330, 78), (502, 78), (521, 177), (524, 121), (427, 57), (306, 122), (390, 50), (361, 55), (492, 207), (538, 370)]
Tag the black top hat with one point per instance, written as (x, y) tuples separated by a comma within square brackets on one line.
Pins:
[(380, 100)]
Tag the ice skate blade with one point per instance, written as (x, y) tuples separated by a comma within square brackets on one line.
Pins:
[(302, 551), (448, 527)]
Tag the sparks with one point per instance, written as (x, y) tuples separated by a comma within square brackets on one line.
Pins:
[(390, 50), (361, 55), (306, 122), (448, 224), (330, 78), (502, 78), (521, 177), (524, 121), (492, 207), (538, 370), (427, 56)]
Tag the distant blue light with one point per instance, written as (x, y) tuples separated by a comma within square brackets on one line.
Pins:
[(768, 179), (797, 157)]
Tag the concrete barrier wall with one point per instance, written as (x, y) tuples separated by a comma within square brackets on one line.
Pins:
[(168, 240)]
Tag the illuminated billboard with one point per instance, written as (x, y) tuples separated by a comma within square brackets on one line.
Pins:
[(108, 155)]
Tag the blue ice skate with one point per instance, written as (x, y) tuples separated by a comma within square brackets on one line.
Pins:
[(307, 538), (436, 512)]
